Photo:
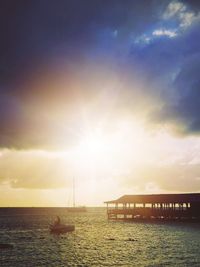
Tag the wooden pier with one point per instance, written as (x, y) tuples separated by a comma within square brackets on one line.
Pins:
[(158, 206)]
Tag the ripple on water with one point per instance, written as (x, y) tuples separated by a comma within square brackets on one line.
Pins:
[(97, 242)]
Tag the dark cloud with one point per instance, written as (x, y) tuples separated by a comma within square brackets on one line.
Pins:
[(32, 31), (37, 35), (181, 95)]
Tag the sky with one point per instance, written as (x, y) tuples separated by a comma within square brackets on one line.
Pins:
[(105, 93)]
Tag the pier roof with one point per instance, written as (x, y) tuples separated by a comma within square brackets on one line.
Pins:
[(157, 198)]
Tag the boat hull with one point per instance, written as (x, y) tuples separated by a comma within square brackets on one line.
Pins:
[(62, 229)]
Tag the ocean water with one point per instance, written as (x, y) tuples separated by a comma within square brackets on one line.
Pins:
[(95, 242)]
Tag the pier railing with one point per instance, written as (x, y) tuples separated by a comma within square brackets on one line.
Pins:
[(162, 211)]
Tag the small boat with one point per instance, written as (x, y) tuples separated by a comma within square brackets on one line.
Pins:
[(62, 228)]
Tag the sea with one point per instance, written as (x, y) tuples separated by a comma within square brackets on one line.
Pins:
[(95, 241)]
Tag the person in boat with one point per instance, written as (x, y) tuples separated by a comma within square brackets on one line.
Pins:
[(57, 221)]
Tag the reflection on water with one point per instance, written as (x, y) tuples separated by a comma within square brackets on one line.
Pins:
[(95, 242)]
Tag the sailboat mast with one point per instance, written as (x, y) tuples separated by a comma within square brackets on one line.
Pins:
[(74, 192)]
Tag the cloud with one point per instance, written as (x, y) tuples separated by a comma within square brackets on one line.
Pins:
[(160, 32), (171, 67), (45, 41), (179, 11), (183, 114), (171, 178), (175, 168), (173, 9), (68, 67), (176, 18), (171, 166), (72, 61), (34, 169)]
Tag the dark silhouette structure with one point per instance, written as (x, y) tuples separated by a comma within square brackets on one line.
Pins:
[(157, 206)]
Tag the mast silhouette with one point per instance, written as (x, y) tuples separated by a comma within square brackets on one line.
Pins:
[(74, 203), (73, 207)]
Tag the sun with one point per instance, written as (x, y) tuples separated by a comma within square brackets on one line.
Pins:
[(93, 145), (109, 149), (102, 154)]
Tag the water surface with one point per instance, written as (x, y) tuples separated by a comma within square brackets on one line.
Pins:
[(95, 242)]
